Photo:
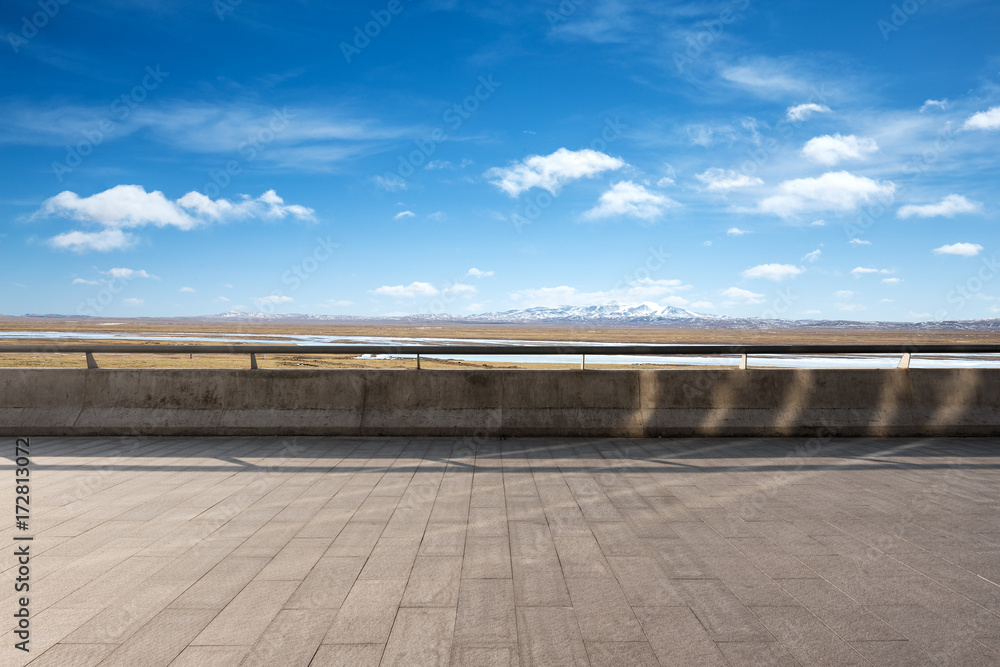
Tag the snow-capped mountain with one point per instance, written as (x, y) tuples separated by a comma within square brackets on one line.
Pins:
[(643, 313), (610, 313), (619, 315)]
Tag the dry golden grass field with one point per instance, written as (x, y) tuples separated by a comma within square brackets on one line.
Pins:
[(269, 332)]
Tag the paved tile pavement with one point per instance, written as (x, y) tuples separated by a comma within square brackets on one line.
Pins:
[(395, 551)]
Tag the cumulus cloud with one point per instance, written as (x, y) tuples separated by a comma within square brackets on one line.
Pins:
[(130, 206), (742, 295), (132, 301), (476, 273), (777, 272), (984, 120), (188, 290), (833, 191), (812, 256), (948, 207), (892, 281), (626, 198), (736, 231), (551, 172), (403, 214), (859, 242), (963, 249), (831, 149), (801, 112), (843, 294), (410, 291), (720, 180)]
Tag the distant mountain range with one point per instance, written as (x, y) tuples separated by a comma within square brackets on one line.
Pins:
[(621, 315)]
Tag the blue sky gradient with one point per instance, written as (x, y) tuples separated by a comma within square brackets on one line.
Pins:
[(801, 160)]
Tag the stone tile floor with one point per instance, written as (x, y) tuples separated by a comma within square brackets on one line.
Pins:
[(396, 551)]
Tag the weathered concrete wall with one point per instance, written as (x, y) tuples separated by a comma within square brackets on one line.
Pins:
[(619, 403)]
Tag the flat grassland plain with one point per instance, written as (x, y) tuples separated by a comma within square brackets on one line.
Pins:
[(276, 333)]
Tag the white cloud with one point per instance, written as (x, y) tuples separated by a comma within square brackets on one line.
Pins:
[(736, 231), (801, 112), (268, 205), (410, 291), (103, 241), (833, 191), (132, 301), (130, 206), (948, 207), (122, 206), (930, 104), (963, 249), (404, 214), (812, 256), (984, 120), (775, 272), (862, 270), (818, 223), (843, 294), (459, 288), (437, 216), (220, 299), (664, 182), (273, 299), (188, 290), (742, 295), (859, 242), (720, 180), (628, 198), (829, 150), (128, 274), (476, 273), (892, 281), (551, 172), (81, 281), (390, 184), (766, 77)]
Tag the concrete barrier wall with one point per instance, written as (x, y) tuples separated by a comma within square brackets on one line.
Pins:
[(614, 403)]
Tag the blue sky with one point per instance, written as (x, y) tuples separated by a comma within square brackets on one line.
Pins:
[(743, 158)]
